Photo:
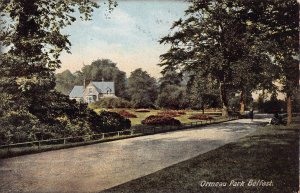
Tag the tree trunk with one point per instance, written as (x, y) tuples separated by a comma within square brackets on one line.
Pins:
[(289, 109), (242, 103), (224, 101)]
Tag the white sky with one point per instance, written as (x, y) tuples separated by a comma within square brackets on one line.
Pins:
[(128, 36)]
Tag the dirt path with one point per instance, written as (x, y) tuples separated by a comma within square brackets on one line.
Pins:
[(100, 166)]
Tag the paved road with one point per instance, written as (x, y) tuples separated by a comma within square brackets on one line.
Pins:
[(100, 166)]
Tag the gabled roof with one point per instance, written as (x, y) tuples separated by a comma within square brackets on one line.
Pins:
[(77, 91), (104, 86)]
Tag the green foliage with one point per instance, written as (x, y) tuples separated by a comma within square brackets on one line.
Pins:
[(112, 121), (142, 89), (99, 70), (30, 108), (110, 103), (172, 97), (272, 105), (203, 92), (65, 81)]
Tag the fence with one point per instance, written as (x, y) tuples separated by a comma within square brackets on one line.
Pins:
[(32, 146)]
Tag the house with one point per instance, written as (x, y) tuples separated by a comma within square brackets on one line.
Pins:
[(93, 91)]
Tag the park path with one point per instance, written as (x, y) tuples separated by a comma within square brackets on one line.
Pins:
[(97, 167)]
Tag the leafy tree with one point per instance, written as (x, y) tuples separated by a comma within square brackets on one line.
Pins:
[(172, 97), (216, 40), (142, 89), (65, 81), (203, 92), (210, 41), (99, 70), (31, 34), (106, 70), (277, 22), (172, 93)]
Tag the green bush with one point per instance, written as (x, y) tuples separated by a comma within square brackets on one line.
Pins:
[(110, 103), (112, 121)]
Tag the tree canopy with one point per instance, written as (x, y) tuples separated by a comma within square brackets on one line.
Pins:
[(142, 89), (232, 42)]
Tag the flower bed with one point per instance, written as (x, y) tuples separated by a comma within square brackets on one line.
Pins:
[(127, 114), (171, 113), (201, 117), (142, 110), (160, 120)]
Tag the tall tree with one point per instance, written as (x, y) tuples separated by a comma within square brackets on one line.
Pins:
[(98, 70), (142, 89), (171, 92), (216, 39), (32, 38), (277, 21), (202, 92)]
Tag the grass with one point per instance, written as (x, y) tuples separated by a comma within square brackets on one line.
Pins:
[(141, 116), (270, 154)]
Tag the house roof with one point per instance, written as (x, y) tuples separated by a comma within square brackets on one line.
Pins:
[(76, 92), (102, 87)]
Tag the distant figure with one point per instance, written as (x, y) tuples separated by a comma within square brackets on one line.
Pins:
[(277, 120), (251, 114)]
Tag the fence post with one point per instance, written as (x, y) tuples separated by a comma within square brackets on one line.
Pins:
[(103, 136), (131, 132), (39, 145), (64, 140), (118, 133)]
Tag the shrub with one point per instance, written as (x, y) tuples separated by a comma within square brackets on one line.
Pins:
[(200, 117), (127, 114), (112, 121), (160, 120), (142, 110), (171, 113), (110, 103)]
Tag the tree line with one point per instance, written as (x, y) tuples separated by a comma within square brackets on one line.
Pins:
[(240, 45)]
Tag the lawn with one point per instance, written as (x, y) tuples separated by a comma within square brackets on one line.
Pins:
[(142, 115), (269, 157)]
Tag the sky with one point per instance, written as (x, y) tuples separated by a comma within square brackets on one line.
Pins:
[(128, 36)]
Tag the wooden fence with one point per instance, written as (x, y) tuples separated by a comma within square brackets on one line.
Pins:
[(89, 139)]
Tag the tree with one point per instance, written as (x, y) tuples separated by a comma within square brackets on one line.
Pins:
[(209, 41), (31, 33), (99, 70), (217, 40), (202, 92), (106, 70), (142, 89), (277, 22), (171, 92), (65, 81)]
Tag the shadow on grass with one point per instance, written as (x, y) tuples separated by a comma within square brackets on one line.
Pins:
[(270, 155)]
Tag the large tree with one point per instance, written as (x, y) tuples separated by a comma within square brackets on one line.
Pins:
[(217, 40), (98, 70), (142, 89), (32, 40), (277, 21), (210, 40)]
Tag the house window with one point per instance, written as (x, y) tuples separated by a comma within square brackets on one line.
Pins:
[(90, 99), (90, 90)]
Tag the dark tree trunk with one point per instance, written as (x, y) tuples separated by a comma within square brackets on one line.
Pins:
[(224, 101), (242, 102), (289, 109)]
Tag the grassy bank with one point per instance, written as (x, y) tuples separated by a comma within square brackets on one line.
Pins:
[(271, 154)]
